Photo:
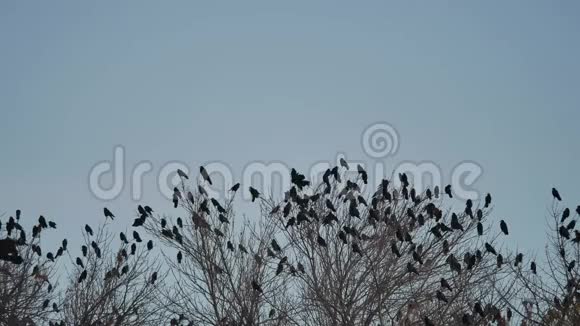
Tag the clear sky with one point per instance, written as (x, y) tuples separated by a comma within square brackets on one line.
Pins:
[(494, 82)]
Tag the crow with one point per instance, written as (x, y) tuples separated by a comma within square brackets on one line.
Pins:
[(179, 257), (136, 236), (204, 174), (235, 187), (411, 269), (533, 267), (556, 194), (182, 174), (565, 214), (487, 200), (149, 245), (108, 213), (362, 173), (445, 284), (255, 193), (448, 191), (490, 249), (89, 230), (321, 241), (503, 226)]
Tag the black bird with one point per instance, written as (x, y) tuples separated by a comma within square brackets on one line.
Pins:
[(242, 248), (42, 222), (499, 260), (565, 214), (190, 197), (504, 228), (455, 222), (362, 173), (417, 257), (356, 249), (411, 269), (255, 193), (230, 246), (571, 225), (441, 297), (479, 228), (64, 244), (149, 245), (571, 266), (342, 236), (223, 219), (291, 222), (578, 209), (321, 241), (556, 194), (133, 248), (257, 287), (204, 174), (218, 206), (153, 277), (533, 267), (445, 284), (136, 236), (52, 224), (83, 276), (564, 232), (490, 249), (218, 232), (477, 308), (141, 210), (175, 200), (182, 174), (89, 230), (180, 222), (343, 163), (84, 250), (353, 211), (138, 221), (179, 257), (448, 191), (275, 246), (519, 259), (108, 213), (80, 263), (235, 187), (487, 200), (329, 205)]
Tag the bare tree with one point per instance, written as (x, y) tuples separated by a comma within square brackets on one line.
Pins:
[(26, 288), (110, 285), (220, 265), (550, 290)]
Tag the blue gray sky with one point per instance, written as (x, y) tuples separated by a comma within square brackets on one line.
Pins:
[(492, 82)]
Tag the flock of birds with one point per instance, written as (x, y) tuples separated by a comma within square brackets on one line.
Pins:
[(304, 205)]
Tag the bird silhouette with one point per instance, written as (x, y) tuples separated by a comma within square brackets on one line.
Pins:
[(80, 262), (503, 226), (179, 257), (321, 241), (136, 236), (362, 173), (489, 248), (153, 278), (556, 194), (445, 284), (235, 187), (487, 200), (257, 287), (455, 222), (448, 191), (533, 267), (441, 297), (412, 269), (205, 175), (254, 193), (275, 246), (83, 276), (182, 174), (149, 245), (108, 213), (89, 230)]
